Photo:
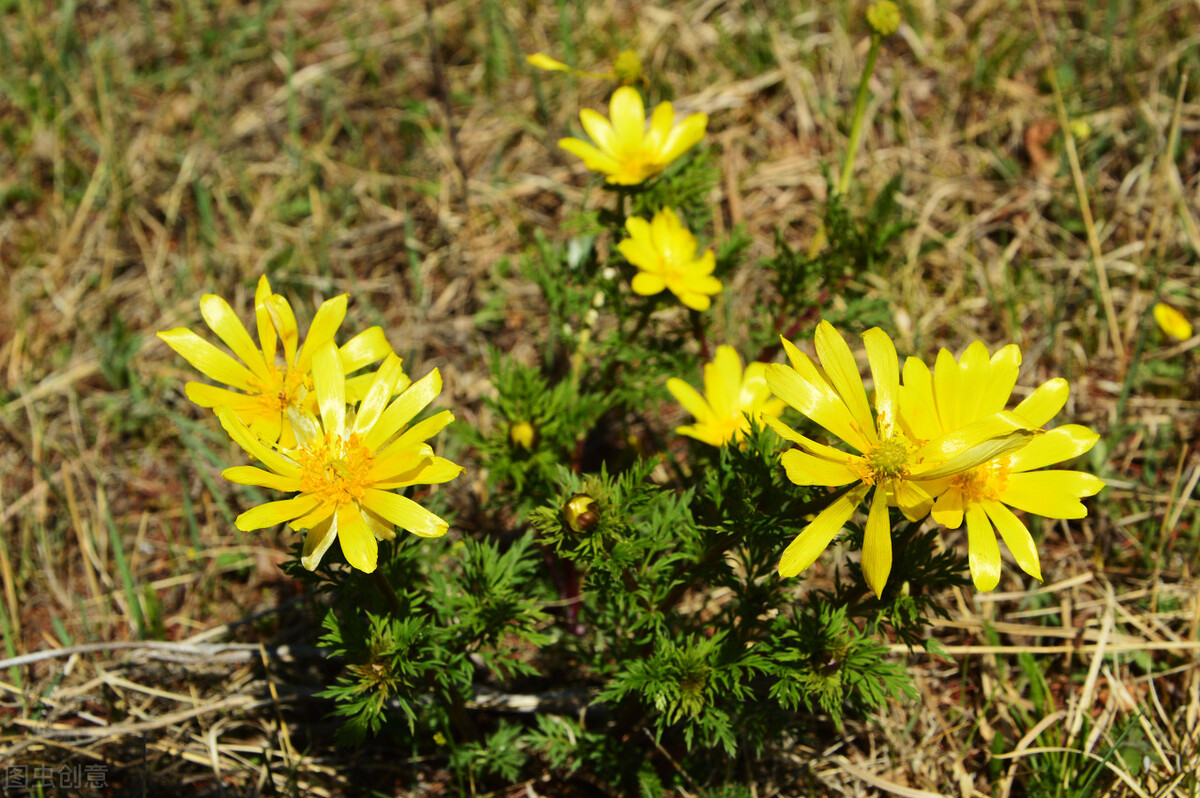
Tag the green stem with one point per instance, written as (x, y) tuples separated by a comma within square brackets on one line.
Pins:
[(856, 126)]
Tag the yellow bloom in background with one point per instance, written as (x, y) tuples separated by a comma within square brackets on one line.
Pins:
[(958, 393), (664, 252), (732, 397), (345, 467), (1172, 322), (269, 384), (901, 470), (624, 149)]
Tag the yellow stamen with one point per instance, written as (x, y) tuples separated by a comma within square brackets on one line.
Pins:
[(986, 481), (335, 469)]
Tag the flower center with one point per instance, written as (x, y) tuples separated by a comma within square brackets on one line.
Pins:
[(335, 469), (985, 481), (887, 460)]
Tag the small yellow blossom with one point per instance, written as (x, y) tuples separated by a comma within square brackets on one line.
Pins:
[(1172, 322), (345, 466), (731, 399), (960, 392), (901, 470), (626, 150), (270, 382), (664, 251)]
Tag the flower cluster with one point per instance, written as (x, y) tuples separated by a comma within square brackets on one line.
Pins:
[(941, 443), (342, 444)]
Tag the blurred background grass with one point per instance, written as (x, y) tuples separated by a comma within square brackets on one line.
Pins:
[(154, 151)]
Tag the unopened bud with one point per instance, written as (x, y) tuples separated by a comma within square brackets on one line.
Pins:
[(581, 513), (628, 67), (522, 435), (883, 17)]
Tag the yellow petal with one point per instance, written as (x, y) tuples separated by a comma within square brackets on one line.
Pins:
[(877, 544), (948, 509), (628, 116), (330, 385), (885, 371), (723, 381), (694, 301), (1044, 403), (826, 410), (984, 553), (690, 398), (367, 347), (206, 395), (402, 410), (702, 433), (317, 541), (273, 513), (423, 430), (971, 446), (1016, 537), (683, 137), (1002, 376), (208, 359), (600, 131), (912, 499), (285, 323), (814, 538), (806, 469), (431, 471), (324, 326), (1051, 494), (1056, 446), (305, 426), (356, 538), (1172, 322), (249, 475), (225, 323), (404, 513), (593, 158), (262, 317), (543, 61), (918, 410), (647, 284), (661, 122), (378, 395), (973, 374), (843, 374), (253, 446), (946, 390)]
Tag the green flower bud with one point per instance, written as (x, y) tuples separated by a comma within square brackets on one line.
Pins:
[(883, 17)]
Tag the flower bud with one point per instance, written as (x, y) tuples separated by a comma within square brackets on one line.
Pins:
[(581, 513), (883, 17), (628, 67), (522, 435)]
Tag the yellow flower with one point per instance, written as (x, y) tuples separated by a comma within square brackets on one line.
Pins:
[(958, 393), (269, 386), (732, 397), (901, 469), (1172, 322), (625, 150), (664, 251), (345, 467)]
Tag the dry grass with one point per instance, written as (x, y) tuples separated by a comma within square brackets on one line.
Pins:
[(159, 150)]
